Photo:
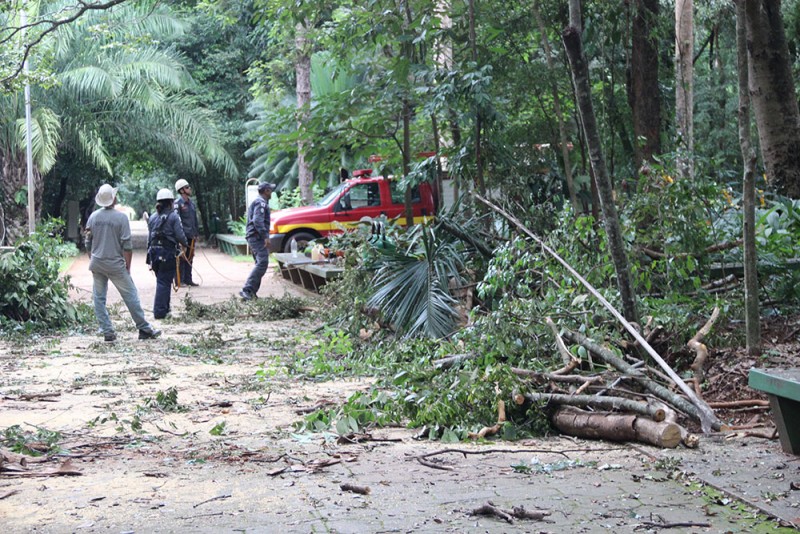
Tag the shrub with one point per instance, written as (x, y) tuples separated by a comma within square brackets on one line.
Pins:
[(30, 288)]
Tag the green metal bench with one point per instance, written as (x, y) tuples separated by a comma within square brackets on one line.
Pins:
[(233, 245), (782, 386)]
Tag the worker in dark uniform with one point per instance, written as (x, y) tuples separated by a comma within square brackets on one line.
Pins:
[(166, 233), (257, 234), (188, 214)]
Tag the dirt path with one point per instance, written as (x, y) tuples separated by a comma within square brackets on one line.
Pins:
[(223, 455)]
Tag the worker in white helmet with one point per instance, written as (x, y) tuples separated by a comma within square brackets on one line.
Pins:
[(187, 212)]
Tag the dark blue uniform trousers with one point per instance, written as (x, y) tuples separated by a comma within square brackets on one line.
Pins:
[(164, 277), (261, 254)]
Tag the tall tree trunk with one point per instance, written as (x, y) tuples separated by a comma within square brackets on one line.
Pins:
[(772, 93), (644, 93), (479, 179), (580, 74), (684, 83), (562, 127), (13, 180), (303, 89), (751, 311)]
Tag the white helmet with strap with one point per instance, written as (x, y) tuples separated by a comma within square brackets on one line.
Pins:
[(180, 184), (165, 194)]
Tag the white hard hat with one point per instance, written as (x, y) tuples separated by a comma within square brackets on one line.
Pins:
[(105, 195), (165, 194), (180, 184)]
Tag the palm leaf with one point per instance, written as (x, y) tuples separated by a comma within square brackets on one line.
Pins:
[(45, 136), (412, 287)]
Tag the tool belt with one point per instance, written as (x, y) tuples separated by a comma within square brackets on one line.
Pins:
[(158, 253)]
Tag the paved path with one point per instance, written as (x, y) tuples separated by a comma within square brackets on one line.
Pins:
[(621, 498)]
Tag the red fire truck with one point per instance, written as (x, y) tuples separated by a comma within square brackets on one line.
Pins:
[(344, 206)]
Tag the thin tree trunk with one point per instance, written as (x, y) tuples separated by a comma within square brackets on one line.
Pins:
[(407, 160), (437, 147), (562, 128), (303, 89), (751, 311), (684, 83), (644, 93), (580, 73), (772, 93)]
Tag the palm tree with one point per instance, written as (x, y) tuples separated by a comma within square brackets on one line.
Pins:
[(115, 87)]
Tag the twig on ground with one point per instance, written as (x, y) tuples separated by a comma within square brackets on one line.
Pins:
[(517, 512), (682, 524), (217, 498)]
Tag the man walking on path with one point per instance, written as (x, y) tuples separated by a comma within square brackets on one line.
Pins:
[(188, 214), (258, 238), (108, 240)]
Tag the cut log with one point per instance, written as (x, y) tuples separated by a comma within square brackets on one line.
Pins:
[(616, 427)]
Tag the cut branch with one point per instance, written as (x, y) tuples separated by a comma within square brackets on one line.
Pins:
[(701, 351), (604, 403), (656, 389)]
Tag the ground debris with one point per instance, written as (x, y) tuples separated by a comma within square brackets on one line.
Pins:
[(517, 512), (361, 490)]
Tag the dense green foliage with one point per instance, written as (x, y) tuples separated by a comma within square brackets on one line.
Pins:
[(32, 295)]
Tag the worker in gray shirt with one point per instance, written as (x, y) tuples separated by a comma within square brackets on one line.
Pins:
[(108, 241)]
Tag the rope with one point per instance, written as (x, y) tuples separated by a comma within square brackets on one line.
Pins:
[(191, 248)]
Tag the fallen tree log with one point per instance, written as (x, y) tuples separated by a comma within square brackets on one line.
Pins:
[(604, 403), (616, 427)]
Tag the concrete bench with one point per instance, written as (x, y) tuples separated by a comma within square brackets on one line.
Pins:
[(302, 271), (782, 386), (233, 245)]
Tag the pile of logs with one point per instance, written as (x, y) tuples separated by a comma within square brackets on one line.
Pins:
[(623, 403)]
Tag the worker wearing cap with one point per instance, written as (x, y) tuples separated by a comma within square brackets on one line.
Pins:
[(188, 213), (165, 234), (257, 234), (108, 241)]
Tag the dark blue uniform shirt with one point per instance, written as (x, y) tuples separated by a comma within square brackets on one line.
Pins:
[(258, 219), (188, 213), (171, 230)]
